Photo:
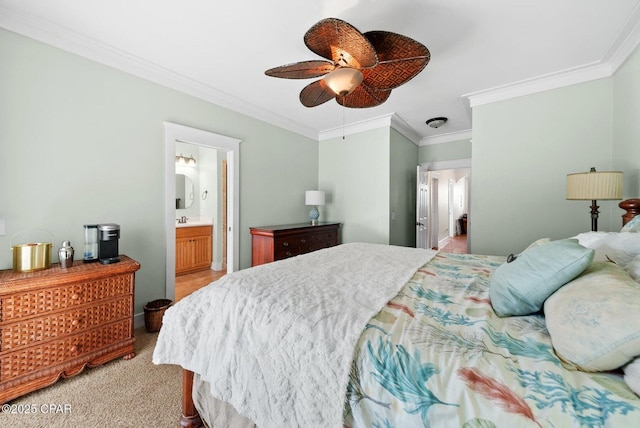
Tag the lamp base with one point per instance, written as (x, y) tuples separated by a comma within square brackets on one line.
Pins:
[(314, 215), (594, 215)]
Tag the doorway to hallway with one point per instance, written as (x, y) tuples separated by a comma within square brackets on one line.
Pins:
[(442, 205)]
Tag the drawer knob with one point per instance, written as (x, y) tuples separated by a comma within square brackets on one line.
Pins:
[(288, 253), (286, 244), (303, 240), (74, 349), (75, 322), (75, 296)]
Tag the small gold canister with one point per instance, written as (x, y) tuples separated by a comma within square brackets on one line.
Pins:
[(31, 257)]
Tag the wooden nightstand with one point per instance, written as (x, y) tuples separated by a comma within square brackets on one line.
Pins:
[(270, 243)]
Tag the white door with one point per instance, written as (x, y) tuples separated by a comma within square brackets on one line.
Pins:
[(433, 211), (422, 208), (452, 218)]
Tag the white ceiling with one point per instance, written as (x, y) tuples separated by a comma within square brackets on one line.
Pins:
[(489, 49)]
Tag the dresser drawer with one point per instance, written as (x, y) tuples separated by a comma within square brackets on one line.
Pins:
[(30, 331), (323, 240), (15, 306), (48, 354), (288, 246)]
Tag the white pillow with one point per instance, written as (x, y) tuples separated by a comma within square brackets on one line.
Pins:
[(620, 248), (632, 226), (634, 268), (593, 320), (632, 375)]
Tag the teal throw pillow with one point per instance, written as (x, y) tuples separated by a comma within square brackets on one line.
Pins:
[(522, 284)]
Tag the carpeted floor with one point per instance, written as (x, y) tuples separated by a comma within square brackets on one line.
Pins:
[(134, 393)]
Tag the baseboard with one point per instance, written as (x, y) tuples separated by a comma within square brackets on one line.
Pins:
[(138, 320), (443, 242)]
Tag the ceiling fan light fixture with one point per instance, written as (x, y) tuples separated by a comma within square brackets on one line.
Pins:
[(436, 122), (343, 80)]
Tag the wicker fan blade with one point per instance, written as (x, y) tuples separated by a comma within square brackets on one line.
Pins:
[(364, 96), (400, 59), (316, 93), (301, 70), (342, 43)]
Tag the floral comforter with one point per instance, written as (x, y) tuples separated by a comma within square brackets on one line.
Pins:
[(438, 356)]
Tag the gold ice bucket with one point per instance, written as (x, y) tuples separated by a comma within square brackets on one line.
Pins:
[(31, 257)]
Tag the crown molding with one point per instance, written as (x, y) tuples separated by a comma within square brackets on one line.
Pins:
[(623, 46), (71, 41), (391, 120), (405, 129), (446, 138), (626, 42), (356, 127), (448, 164), (539, 84)]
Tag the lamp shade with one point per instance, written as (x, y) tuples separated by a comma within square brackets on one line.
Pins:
[(314, 197), (343, 80), (601, 185)]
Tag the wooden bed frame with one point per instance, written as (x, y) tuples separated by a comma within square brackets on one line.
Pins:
[(190, 418)]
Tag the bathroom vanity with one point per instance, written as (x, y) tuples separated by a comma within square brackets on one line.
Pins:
[(193, 248)]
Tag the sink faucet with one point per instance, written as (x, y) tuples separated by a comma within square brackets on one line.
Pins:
[(182, 219)]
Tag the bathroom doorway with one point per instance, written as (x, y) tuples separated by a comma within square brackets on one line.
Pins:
[(201, 201), (221, 153)]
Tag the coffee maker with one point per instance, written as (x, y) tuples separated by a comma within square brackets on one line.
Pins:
[(108, 234)]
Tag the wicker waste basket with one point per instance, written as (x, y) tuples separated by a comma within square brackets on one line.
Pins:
[(153, 313)]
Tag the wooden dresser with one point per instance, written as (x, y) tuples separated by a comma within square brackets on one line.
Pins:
[(55, 322), (193, 249), (272, 243)]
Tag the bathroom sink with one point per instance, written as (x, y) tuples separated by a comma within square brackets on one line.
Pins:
[(196, 221)]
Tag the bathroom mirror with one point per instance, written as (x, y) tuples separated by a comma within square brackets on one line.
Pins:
[(184, 191)]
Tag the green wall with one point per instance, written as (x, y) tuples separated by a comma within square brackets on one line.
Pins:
[(354, 172), (370, 179), (523, 149), (81, 142), (626, 124), (402, 202), (445, 151)]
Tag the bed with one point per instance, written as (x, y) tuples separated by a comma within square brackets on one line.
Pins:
[(366, 335)]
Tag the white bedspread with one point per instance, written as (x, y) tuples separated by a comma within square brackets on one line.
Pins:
[(277, 340)]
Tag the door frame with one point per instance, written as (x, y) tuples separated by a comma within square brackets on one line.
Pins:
[(180, 133)]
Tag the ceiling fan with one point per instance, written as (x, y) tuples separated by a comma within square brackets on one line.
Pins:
[(362, 68)]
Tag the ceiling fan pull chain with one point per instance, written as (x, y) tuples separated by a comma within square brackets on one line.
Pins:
[(343, 121)]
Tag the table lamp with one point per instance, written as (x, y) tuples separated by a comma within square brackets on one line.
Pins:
[(314, 198), (594, 185)]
